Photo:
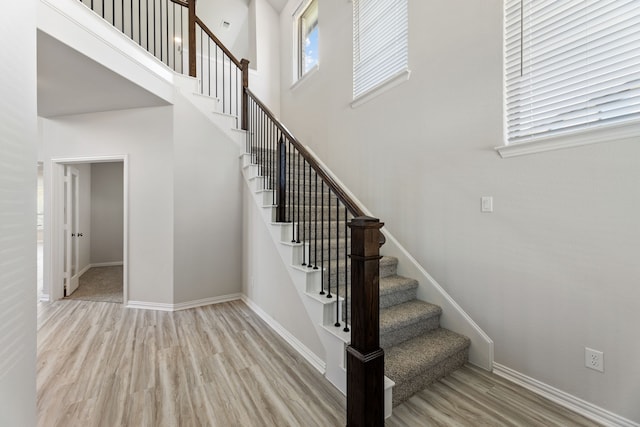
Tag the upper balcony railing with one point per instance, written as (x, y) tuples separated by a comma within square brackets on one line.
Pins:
[(172, 32)]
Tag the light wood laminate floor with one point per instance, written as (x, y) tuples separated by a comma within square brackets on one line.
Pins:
[(100, 364)]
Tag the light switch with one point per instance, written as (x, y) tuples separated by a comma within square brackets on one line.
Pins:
[(487, 204)]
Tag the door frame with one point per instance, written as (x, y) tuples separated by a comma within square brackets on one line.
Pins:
[(54, 268), (72, 221)]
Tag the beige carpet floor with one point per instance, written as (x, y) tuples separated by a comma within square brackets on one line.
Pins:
[(102, 284)]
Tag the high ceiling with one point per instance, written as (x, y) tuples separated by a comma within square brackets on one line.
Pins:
[(278, 5)]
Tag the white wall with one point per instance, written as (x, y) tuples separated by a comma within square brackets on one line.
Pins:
[(265, 280), (264, 74), (18, 216), (207, 222), (146, 135), (236, 12), (554, 268), (107, 207)]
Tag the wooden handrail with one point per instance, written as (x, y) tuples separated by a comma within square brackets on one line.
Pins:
[(219, 43), (351, 205), (180, 3)]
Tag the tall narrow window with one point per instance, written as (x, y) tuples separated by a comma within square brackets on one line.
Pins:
[(308, 38), (571, 67), (380, 42)]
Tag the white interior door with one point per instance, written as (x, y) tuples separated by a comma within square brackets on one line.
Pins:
[(71, 229)]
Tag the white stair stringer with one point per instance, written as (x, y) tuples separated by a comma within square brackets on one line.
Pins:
[(320, 309), (210, 107)]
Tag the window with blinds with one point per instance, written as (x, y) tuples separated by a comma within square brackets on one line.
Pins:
[(380, 42), (570, 66)]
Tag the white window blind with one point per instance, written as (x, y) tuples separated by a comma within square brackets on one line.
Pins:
[(380, 42), (570, 66)]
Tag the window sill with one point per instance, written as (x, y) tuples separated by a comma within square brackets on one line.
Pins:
[(391, 82), (305, 77), (558, 142)]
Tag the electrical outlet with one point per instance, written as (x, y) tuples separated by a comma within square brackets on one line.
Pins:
[(594, 359)]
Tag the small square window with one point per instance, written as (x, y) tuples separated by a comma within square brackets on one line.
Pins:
[(307, 46)]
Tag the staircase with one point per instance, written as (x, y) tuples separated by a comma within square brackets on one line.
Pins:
[(417, 350), (308, 214)]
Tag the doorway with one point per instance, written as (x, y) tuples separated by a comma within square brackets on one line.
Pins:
[(89, 228)]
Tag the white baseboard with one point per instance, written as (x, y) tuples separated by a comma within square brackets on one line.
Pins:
[(206, 301), (106, 264), (562, 398), (84, 270), (144, 305), (304, 351), (44, 298)]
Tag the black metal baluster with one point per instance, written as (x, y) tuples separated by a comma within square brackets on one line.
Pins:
[(262, 145), (310, 213), (173, 33), (122, 16), (274, 133), (201, 61), (256, 148), (265, 123), (347, 307), (146, 26), (139, 22), (161, 48), (182, 40), (289, 182), (166, 11), (131, 18), (230, 85), (267, 156), (297, 211), (275, 165), (237, 95), (154, 28), (113, 12), (315, 225), (224, 55), (322, 271), (217, 70), (337, 324), (328, 243), (304, 213)]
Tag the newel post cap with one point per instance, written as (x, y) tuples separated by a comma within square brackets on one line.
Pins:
[(365, 222)]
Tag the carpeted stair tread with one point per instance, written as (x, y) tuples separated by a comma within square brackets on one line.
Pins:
[(388, 266), (393, 284), (403, 322), (401, 315), (420, 354)]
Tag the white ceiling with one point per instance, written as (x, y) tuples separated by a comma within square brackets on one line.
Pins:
[(278, 5), (71, 83)]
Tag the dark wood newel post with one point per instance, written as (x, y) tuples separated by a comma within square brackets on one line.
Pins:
[(365, 358), (192, 38), (245, 97)]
